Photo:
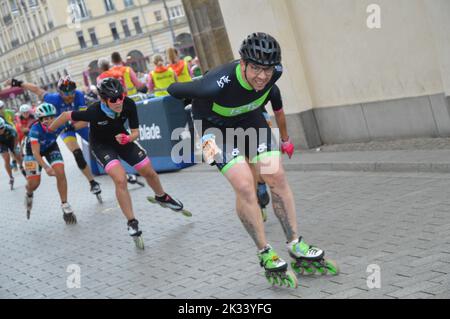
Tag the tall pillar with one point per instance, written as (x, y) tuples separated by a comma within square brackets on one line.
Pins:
[(208, 31)]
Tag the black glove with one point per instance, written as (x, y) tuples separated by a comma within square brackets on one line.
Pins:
[(68, 127), (16, 83)]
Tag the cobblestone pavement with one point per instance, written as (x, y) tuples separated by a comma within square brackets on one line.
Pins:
[(399, 222)]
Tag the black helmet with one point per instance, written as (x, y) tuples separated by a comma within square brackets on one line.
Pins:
[(261, 48), (65, 84), (110, 88)]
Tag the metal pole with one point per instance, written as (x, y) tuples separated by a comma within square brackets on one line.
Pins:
[(170, 22)]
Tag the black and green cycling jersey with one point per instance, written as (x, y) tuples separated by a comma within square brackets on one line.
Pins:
[(222, 96), (222, 99)]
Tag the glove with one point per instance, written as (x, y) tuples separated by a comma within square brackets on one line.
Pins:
[(123, 139), (287, 147), (16, 83), (68, 127)]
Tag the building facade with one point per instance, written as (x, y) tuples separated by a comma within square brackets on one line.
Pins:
[(355, 70), (41, 40)]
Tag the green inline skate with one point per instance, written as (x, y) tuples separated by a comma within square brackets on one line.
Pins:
[(309, 260), (276, 269)]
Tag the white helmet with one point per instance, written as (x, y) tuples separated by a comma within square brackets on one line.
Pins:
[(24, 108), (2, 104)]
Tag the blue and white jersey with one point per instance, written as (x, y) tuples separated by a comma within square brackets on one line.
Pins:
[(78, 104)]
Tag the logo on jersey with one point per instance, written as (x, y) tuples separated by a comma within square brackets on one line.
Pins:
[(149, 133), (103, 123), (223, 80), (262, 148)]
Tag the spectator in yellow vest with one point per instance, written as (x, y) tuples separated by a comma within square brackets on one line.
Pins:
[(180, 66), (130, 80), (161, 77)]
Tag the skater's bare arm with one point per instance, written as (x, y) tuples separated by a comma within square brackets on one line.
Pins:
[(32, 88), (36, 149), (80, 125), (60, 121)]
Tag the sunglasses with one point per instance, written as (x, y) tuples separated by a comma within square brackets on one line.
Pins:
[(117, 99), (69, 93)]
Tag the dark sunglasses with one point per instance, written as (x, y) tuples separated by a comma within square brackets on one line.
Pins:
[(69, 93), (115, 99)]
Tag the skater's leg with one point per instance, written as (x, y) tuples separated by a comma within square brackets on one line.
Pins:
[(61, 181), (7, 159), (32, 184), (282, 197), (72, 145), (241, 178), (145, 169), (119, 177)]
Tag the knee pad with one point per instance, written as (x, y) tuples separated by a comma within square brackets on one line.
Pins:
[(79, 158)]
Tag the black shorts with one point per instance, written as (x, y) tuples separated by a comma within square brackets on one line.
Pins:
[(8, 145), (108, 155), (247, 139), (52, 155)]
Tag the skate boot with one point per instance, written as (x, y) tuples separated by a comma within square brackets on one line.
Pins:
[(263, 199), (68, 214), (168, 201), (276, 269), (11, 182), (310, 260), (135, 233), (96, 190), (132, 179), (28, 204)]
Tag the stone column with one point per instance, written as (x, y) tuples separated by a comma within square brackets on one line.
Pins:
[(208, 31)]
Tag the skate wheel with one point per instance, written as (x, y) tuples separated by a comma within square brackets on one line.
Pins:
[(139, 242), (296, 268), (151, 199), (186, 213), (291, 279), (332, 267), (99, 198), (264, 214)]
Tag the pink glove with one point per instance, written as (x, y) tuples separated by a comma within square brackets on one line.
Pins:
[(287, 147), (123, 139)]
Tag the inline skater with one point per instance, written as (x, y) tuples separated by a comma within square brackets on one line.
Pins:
[(41, 144), (68, 98), (230, 97), (110, 141)]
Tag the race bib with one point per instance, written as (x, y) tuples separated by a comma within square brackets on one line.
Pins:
[(31, 166)]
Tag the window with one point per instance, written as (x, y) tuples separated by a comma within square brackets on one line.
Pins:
[(137, 25), (13, 6), (93, 36), (80, 8), (158, 15), (128, 3), (36, 24), (109, 5), (176, 12), (114, 32), (126, 29), (81, 40), (32, 3)]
